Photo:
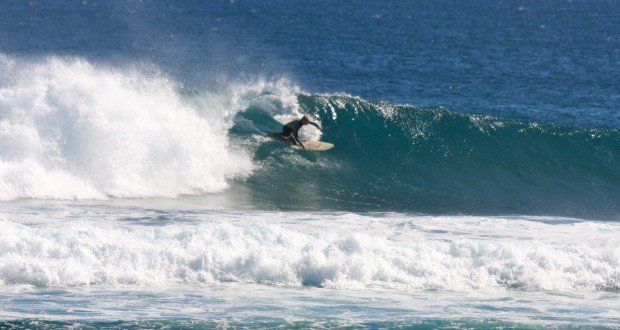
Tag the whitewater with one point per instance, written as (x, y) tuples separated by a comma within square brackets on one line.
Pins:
[(392, 251), (73, 130), (320, 269)]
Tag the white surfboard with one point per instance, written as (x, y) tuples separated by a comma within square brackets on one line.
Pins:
[(317, 145), (310, 145)]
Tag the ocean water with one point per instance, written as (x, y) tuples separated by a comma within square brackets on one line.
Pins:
[(475, 181)]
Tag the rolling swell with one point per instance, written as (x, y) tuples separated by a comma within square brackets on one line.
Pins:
[(398, 157)]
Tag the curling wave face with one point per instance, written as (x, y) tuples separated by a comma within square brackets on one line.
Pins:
[(398, 157)]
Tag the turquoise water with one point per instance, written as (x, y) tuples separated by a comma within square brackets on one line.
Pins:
[(405, 158)]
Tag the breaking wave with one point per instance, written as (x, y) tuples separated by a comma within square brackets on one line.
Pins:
[(71, 129)]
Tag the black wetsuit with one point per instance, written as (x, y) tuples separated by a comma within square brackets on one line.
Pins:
[(291, 130)]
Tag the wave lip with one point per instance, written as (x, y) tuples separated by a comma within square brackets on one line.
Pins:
[(70, 129)]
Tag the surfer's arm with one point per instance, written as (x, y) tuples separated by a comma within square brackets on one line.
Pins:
[(316, 125)]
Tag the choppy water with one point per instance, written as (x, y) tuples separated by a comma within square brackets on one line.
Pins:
[(475, 180)]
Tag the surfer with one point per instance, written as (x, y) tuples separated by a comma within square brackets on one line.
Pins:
[(290, 131)]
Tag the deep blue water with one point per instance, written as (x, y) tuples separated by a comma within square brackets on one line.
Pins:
[(553, 61)]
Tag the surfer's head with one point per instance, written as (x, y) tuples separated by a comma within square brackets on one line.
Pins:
[(305, 120)]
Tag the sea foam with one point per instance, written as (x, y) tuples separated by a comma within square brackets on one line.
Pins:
[(93, 253), (71, 129)]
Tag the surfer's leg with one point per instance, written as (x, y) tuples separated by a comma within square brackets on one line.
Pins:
[(286, 131), (295, 136), (287, 134)]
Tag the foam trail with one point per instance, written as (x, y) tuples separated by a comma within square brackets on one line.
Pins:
[(70, 129)]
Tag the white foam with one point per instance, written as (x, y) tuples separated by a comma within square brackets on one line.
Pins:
[(356, 252), (70, 129)]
